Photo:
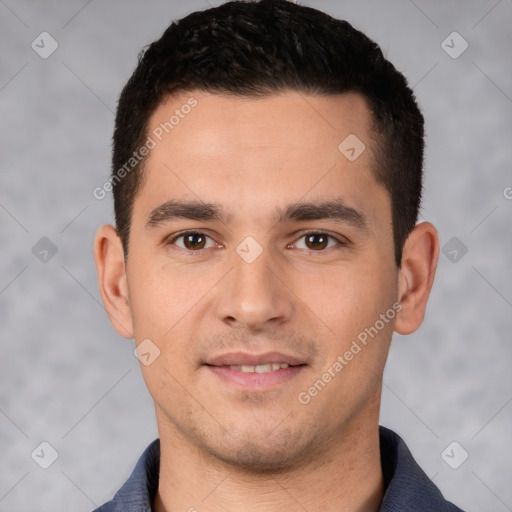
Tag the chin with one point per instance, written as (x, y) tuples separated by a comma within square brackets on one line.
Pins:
[(264, 454)]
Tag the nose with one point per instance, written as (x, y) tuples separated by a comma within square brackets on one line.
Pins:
[(255, 295)]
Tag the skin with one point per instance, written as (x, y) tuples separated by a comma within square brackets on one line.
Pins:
[(227, 449)]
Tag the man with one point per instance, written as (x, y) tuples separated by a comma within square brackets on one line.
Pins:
[(267, 174)]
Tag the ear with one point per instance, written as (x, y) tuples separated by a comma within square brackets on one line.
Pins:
[(110, 264), (416, 276)]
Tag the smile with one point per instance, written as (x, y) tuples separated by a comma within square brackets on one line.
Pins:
[(260, 368)]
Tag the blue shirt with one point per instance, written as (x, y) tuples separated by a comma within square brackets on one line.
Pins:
[(408, 489)]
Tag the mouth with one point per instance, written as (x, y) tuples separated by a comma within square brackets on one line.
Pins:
[(260, 368), (266, 361), (255, 372)]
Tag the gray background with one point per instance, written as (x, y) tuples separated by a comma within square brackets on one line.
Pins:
[(67, 377)]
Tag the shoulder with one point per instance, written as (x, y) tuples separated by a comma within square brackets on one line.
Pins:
[(408, 488), (137, 493)]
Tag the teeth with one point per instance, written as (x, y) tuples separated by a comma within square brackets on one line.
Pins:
[(260, 368)]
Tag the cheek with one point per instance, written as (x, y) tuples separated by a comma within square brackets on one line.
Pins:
[(348, 299), (166, 304), (158, 298), (161, 302), (357, 342)]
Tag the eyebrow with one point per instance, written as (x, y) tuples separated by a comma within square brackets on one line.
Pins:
[(335, 210)]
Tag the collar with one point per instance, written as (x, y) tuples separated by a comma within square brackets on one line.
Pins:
[(408, 489)]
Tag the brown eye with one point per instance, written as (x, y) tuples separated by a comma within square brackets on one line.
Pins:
[(192, 241), (317, 241)]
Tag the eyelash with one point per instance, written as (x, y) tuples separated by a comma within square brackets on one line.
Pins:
[(341, 242)]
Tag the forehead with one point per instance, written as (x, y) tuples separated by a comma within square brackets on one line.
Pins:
[(213, 124), (240, 150)]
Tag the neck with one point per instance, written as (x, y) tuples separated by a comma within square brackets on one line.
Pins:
[(346, 476)]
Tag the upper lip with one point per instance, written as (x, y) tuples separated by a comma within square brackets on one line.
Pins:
[(246, 359)]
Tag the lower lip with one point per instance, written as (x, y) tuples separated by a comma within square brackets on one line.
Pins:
[(256, 381)]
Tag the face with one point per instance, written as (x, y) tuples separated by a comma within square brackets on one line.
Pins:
[(256, 241)]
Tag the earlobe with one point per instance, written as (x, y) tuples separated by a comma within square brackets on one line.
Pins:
[(110, 264), (416, 276)]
